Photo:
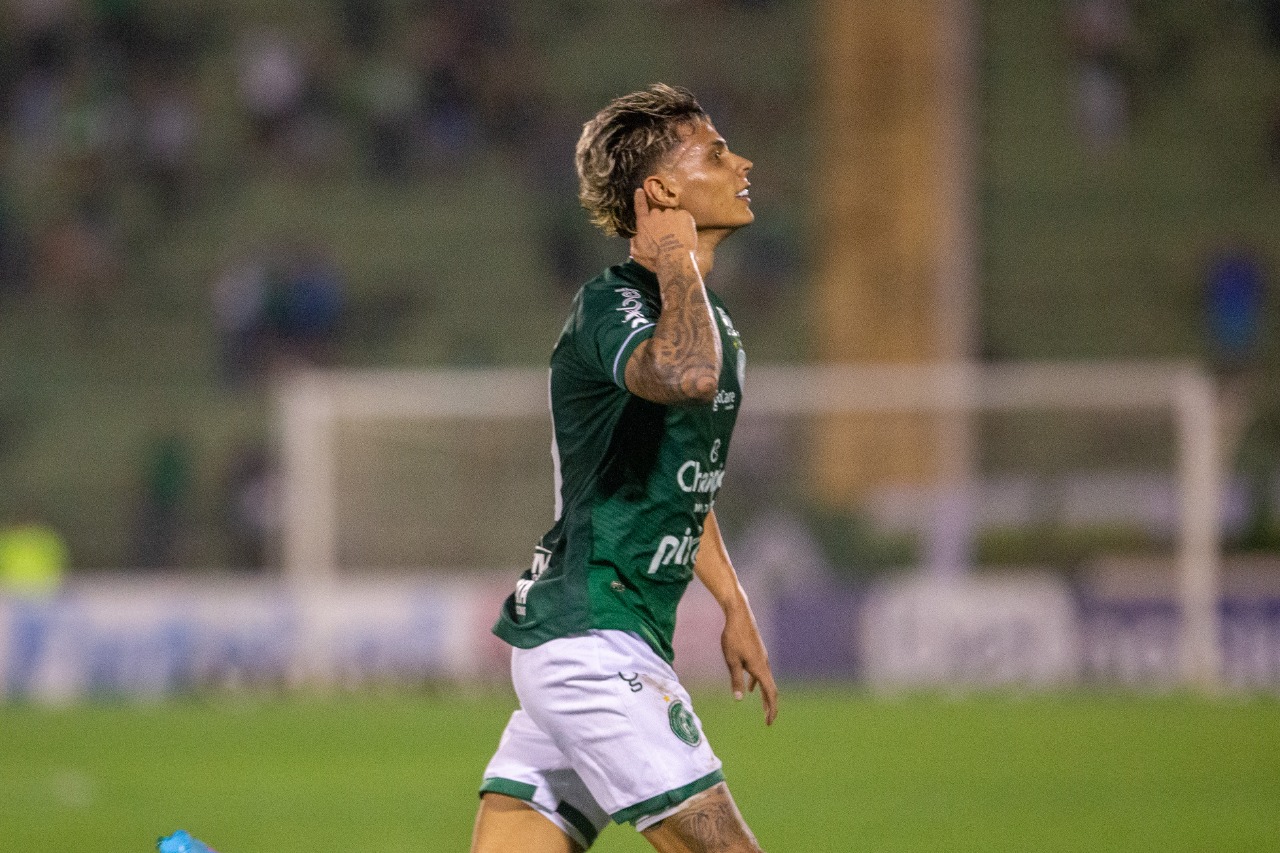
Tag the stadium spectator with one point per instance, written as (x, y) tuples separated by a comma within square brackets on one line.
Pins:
[(252, 510), (239, 312), (33, 559), (169, 129), (163, 503), (271, 81), (388, 95), (35, 114), (1234, 301), (317, 139), (307, 306), (95, 143), (1099, 34), (445, 50), (77, 266), (448, 116)]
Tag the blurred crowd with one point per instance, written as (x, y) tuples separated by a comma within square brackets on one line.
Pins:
[(123, 122), (277, 306), (111, 103), (121, 117), (94, 97), (1126, 53)]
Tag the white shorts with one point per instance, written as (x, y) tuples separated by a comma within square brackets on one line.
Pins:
[(605, 732)]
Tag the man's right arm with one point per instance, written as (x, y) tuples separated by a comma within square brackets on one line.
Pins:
[(681, 362)]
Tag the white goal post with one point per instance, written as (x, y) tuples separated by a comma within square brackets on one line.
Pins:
[(309, 404)]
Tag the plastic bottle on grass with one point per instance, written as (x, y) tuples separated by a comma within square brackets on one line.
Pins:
[(182, 842)]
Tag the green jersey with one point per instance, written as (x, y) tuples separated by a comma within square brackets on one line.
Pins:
[(634, 479)]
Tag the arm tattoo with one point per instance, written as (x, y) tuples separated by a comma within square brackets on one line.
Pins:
[(681, 362), (670, 243)]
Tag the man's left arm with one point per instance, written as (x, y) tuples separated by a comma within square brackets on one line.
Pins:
[(744, 651)]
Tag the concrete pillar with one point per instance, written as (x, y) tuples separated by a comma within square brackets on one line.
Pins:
[(895, 225)]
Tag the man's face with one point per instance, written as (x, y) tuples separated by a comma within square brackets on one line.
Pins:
[(709, 180)]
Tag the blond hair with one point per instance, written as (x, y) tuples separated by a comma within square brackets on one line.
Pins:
[(622, 145)]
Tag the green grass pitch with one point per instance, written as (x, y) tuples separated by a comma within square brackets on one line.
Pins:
[(840, 771)]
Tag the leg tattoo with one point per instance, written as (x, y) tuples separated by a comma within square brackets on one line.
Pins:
[(710, 823)]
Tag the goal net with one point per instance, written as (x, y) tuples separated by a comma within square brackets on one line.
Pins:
[(866, 472)]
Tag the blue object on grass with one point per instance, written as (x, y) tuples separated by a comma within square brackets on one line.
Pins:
[(182, 842)]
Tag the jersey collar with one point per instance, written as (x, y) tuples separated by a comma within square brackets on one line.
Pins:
[(638, 275)]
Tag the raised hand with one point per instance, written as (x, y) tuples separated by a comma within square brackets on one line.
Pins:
[(681, 363), (663, 234)]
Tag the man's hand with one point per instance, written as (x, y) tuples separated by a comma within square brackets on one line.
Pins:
[(680, 364), (743, 649), (748, 661), (664, 235)]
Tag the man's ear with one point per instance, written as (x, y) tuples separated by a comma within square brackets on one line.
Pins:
[(661, 191)]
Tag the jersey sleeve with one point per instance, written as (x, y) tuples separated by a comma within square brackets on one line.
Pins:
[(614, 321)]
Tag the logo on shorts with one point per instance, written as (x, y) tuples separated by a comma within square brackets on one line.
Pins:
[(682, 723)]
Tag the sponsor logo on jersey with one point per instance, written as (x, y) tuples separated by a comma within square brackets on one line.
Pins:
[(691, 478), (683, 724), (541, 561), (675, 550), (725, 400), (632, 307)]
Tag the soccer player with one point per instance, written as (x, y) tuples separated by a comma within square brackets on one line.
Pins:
[(646, 382)]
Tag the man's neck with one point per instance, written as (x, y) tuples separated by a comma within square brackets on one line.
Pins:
[(708, 241), (705, 255)]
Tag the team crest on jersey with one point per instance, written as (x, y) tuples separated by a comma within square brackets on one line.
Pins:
[(682, 723)]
